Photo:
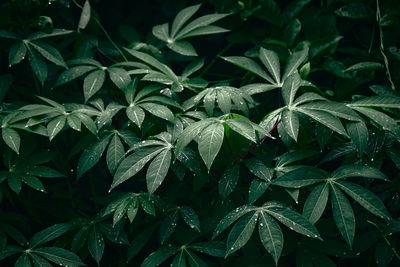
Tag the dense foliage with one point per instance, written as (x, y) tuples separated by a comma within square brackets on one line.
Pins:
[(222, 133)]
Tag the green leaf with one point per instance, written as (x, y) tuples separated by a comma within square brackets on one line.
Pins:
[(96, 244), (159, 256), (326, 119), (204, 30), (300, 177), (119, 77), (353, 170), (38, 65), (242, 127), (161, 32), (59, 256), (154, 63), (85, 16), (228, 181), (290, 121), (48, 234), (293, 62), (289, 88), (365, 198), (189, 134), (39, 261), (210, 142), (17, 53), (343, 215), (33, 182), (133, 164), (241, 232), (271, 61), (249, 65), (74, 122), (358, 133), (258, 168), (230, 218), (378, 101), (365, 66), (158, 169), (115, 153), (49, 52), (135, 114), (209, 102), (294, 221), (9, 251), (23, 261), (213, 248), (53, 33), (198, 23), (257, 189), (179, 260), (380, 118), (11, 138), (270, 235), (337, 109), (316, 203), (158, 110), (195, 260), (183, 16), (92, 155), (183, 48), (72, 74), (190, 217), (92, 83), (224, 101), (55, 126)]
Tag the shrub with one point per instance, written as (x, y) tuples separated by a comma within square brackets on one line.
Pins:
[(129, 144)]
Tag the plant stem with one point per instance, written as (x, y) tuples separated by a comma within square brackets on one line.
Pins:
[(104, 31), (381, 47)]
